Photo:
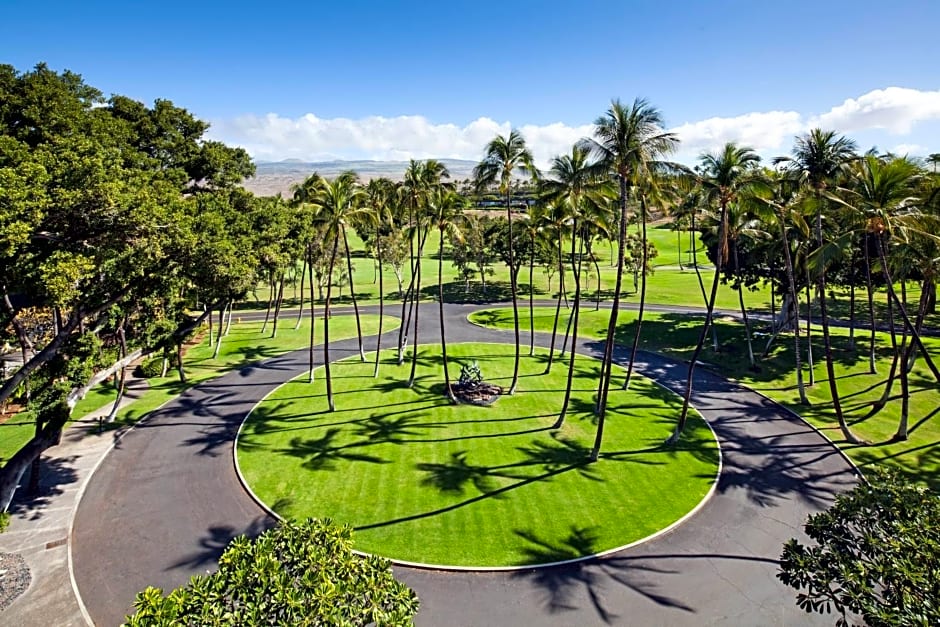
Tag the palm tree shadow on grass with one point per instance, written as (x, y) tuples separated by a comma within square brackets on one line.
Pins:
[(323, 453)]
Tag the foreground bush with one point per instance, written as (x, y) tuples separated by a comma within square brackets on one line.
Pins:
[(296, 574), (877, 556)]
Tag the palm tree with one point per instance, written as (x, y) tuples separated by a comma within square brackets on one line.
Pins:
[(934, 160), (551, 225), (818, 157), (304, 197), (338, 201), (723, 176), (501, 157), (628, 140), (576, 308)]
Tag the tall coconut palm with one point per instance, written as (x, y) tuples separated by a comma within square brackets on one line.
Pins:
[(338, 201), (628, 140), (575, 310), (551, 225), (304, 199), (818, 158), (723, 175), (502, 156)]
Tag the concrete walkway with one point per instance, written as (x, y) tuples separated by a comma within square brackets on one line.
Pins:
[(40, 526)]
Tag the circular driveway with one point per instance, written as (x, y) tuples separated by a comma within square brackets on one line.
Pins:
[(166, 500)]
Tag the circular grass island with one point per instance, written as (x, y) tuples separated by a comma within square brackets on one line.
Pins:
[(424, 481)]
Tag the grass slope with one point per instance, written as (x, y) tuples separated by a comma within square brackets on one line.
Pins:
[(675, 335), (422, 480)]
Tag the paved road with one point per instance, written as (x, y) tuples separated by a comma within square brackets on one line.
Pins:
[(166, 501)]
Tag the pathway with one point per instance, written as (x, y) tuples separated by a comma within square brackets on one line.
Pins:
[(166, 500)]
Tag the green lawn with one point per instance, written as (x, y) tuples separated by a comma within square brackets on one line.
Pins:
[(422, 480), (675, 335), (244, 345)]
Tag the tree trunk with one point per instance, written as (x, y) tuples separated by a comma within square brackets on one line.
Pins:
[(313, 320), (440, 301), (701, 285), (512, 288), (747, 326), (795, 302), (352, 294), (607, 362), (531, 297), (326, 325), (218, 336), (827, 341), (267, 313), (122, 381), (378, 337), (13, 470), (710, 307), (809, 330), (551, 349), (871, 310), (576, 269), (300, 309), (644, 259), (416, 296), (915, 336), (277, 305), (851, 344)]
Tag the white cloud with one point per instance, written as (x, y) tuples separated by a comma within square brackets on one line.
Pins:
[(893, 110), (909, 149)]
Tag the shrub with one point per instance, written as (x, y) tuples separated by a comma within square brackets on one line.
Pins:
[(297, 573)]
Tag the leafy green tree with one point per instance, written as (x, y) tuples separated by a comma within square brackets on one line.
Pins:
[(503, 156), (876, 555), (295, 574)]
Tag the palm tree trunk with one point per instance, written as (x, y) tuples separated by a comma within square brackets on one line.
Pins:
[(701, 284), (551, 349), (915, 336), (267, 313), (809, 330), (871, 310), (277, 306), (607, 361), (852, 263), (326, 325), (644, 259), (747, 326), (352, 294), (218, 335), (576, 269), (531, 296), (300, 310), (416, 296), (122, 387), (512, 288), (440, 301), (313, 320), (791, 284), (827, 341), (378, 337), (896, 356), (710, 307)]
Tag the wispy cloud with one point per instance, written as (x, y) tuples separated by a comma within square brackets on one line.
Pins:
[(894, 110)]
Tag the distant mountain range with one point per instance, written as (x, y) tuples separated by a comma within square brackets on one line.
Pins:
[(272, 177)]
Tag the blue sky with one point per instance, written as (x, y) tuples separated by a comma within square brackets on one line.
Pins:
[(394, 80)]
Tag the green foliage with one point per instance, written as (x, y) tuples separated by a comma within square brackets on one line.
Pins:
[(877, 555), (4, 521), (470, 375), (296, 574), (153, 367)]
